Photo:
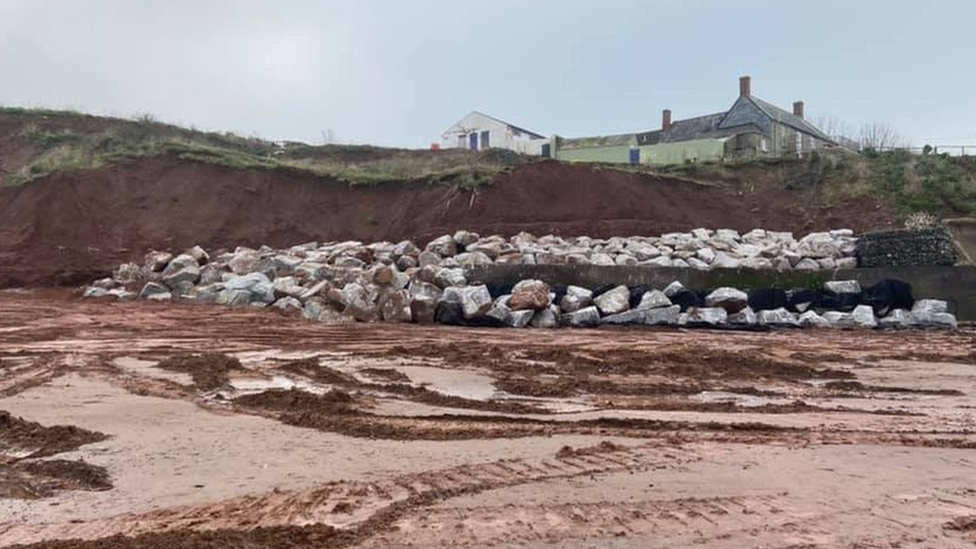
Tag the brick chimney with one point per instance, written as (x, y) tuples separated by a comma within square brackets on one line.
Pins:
[(666, 120), (745, 86), (798, 109)]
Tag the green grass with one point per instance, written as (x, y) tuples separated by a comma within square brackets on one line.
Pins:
[(65, 141)]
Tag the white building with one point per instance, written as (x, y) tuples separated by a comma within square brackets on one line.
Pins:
[(479, 132)]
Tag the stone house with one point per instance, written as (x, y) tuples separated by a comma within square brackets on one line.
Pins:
[(751, 127)]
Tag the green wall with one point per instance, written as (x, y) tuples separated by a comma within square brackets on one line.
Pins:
[(701, 150), (617, 154)]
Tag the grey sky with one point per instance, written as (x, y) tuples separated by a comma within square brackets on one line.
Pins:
[(398, 72)]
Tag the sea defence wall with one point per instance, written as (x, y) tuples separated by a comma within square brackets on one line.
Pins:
[(956, 285)]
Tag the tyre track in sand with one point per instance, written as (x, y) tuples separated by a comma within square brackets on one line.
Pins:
[(352, 505)]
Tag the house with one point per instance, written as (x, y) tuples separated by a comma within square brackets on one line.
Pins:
[(479, 132), (751, 127)]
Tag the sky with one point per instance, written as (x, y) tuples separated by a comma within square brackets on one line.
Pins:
[(400, 72)]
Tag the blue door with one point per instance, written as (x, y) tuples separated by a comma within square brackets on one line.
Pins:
[(635, 156), (473, 142)]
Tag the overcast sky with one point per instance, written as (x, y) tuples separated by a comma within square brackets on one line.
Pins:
[(399, 72)]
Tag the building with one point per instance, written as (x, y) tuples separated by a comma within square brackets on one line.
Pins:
[(750, 128), (479, 132)]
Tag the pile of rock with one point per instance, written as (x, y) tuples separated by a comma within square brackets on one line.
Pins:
[(403, 283), (929, 246)]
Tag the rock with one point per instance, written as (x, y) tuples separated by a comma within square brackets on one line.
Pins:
[(662, 261), (573, 301), (930, 306), (777, 317), (530, 295), (898, 318), (924, 318), (243, 261), (520, 319), (288, 286), (711, 316), (545, 319), (446, 278), (127, 273), (288, 304), (182, 289), (758, 263), (811, 319), (384, 275), (105, 283), (817, 246), (654, 299), (153, 288), (395, 306), (199, 254), (701, 234), (662, 316), (863, 316), (846, 263), (165, 296), (725, 261), (729, 299), (358, 303), (500, 311), (744, 317), (706, 255), (428, 258), (642, 252), (405, 248), (211, 274), (206, 293), (625, 260), (349, 262), (174, 276), (155, 262), (257, 284), (633, 316), (95, 292), (827, 264), (673, 288), (838, 319), (614, 301), (587, 317), (465, 238), (475, 300), (423, 309), (807, 264), (406, 262), (469, 259), (842, 286), (238, 297), (444, 246)]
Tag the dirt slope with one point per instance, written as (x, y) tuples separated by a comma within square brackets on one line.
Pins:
[(66, 228)]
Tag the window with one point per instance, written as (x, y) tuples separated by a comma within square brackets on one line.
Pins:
[(462, 141), (485, 142)]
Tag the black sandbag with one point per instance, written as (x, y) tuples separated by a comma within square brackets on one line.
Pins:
[(687, 299), (603, 289), (498, 290), (887, 295), (560, 292), (832, 301), (800, 297), (637, 293), (450, 313), (767, 299)]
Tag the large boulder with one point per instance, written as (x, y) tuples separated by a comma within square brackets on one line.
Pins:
[(358, 303), (662, 316), (633, 316), (897, 318), (444, 246), (156, 261), (128, 273), (576, 298), (730, 299), (151, 289), (530, 295), (233, 297), (654, 299), (545, 319), (584, 318), (395, 306), (475, 301), (257, 284), (288, 304), (745, 317), (446, 277), (777, 317), (810, 319), (707, 316), (616, 300), (243, 261)]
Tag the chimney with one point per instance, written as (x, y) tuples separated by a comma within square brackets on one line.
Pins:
[(798, 109), (666, 120), (745, 86)]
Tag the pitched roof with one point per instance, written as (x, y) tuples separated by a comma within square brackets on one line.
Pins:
[(617, 140), (789, 119), (512, 127), (700, 127)]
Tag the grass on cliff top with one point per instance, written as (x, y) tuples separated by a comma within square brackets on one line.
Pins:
[(64, 141)]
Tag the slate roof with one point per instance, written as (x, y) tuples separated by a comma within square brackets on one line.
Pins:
[(700, 127), (598, 141), (789, 119)]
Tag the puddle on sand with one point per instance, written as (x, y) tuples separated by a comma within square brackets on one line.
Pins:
[(251, 357), (147, 368), (257, 385), (745, 401), (460, 383)]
